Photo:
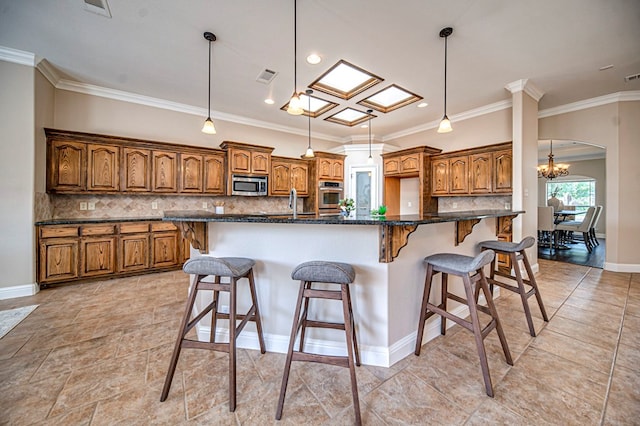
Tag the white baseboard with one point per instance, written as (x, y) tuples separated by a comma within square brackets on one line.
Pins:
[(18, 291), (621, 267)]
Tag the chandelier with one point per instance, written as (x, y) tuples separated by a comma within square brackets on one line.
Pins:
[(552, 170)]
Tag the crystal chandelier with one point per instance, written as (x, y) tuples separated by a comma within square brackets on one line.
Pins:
[(552, 170)]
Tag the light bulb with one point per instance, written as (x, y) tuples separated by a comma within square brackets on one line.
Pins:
[(445, 125), (295, 105), (309, 153), (208, 127)]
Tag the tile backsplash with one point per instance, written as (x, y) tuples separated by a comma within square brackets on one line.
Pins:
[(455, 204)]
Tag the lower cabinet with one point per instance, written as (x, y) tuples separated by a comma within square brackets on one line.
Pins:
[(68, 253)]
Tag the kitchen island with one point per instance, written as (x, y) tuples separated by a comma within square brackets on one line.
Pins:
[(386, 252)]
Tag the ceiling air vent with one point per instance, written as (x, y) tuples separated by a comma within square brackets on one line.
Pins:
[(101, 7), (633, 77), (266, 76)]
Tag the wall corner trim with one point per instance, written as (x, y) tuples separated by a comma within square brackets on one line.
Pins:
[(18, 291)]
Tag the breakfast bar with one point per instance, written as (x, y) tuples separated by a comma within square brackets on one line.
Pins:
[(386, 252)]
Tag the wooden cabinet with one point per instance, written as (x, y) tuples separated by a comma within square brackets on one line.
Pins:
[(103, 168), (69, 253), (260, 162), (136, 170), (331, 169), (164, 171), (66, 166), (480, 173), (440, 176), (503, 171), (459, 175), (287, 173), (239, 160), (213, 174), (191, 173), (247, 159), (408, 165)]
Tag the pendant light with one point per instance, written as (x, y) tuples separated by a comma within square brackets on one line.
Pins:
[(445, 124), (208, 127), (309, 153), (295, 104), (370, 159), (552, 170)]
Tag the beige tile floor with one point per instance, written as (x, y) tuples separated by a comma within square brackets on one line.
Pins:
[(97, 354)]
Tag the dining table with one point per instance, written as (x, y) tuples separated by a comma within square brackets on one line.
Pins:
[(561, 215)]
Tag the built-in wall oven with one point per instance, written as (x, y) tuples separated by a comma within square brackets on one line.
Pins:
[(329, 194)]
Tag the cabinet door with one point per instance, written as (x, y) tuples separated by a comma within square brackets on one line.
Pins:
[(502, 171), (103, 168), (133, 252), (137, 170), (191, 176), (337, 169), (214, 174), (440, 177), (97, 256), (164, 249), (280, 179), (58, 259), (67, 162), (459, 175), (300, 178), (240, 160), (391, 166), (165, 177), (324, 168), (409, 163), (481, 173), (260, 162)]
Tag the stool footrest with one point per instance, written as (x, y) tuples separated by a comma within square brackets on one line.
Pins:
[(322, 294), (340, 361), (510, 287), (461, 321), (511, 277), (324, 324), (196, 344)]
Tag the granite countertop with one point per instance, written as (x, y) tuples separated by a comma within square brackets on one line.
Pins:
[(80, 221), (310, 218)]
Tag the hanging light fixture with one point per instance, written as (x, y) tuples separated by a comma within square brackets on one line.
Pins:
[(208, 127), (551, 170), (309, 153), (295, 104), (445, 124), (370, 159)]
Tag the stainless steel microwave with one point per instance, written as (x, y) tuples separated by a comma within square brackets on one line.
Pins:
[(252, 186)]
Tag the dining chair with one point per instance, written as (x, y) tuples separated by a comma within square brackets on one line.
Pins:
[(584, 226), (594, 223), (546, 227)]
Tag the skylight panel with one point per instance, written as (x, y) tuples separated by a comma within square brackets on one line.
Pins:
[(345, 80), (318, 106), (348, 117), (390, 98)]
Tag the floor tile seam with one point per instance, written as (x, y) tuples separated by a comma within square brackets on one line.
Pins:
[(64, 385), (502, 406), (315, 396)]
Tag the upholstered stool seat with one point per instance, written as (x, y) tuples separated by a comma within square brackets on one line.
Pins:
[(516, 252), (234, 269), (470, 269), (319, 271)]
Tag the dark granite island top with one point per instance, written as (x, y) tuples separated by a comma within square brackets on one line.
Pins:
[(394, 231)]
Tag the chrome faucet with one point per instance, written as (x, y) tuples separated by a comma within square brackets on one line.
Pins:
[(293, 202)]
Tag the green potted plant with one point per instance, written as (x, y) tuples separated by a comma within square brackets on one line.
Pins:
[(346, 205), (380, 211)]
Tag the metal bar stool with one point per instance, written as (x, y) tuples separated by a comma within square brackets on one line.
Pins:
[(332, 273), (472, 274), (516, 252), (233, 268)]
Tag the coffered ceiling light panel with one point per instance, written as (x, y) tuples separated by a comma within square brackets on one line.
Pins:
[(345, 80), (318, 106), (390, 98), (349, 117)]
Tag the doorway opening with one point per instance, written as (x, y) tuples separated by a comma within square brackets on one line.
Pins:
[(363, 188)]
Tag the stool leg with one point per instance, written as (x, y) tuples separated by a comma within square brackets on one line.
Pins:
[(353, 327), (494, 314), (534, 284), (303, 319), (443, 303), (292, 341), (423, 308), (348, 322), (477, 333), (178, 346), (214, 311), (523, 293), (256, 310), (232, 344)]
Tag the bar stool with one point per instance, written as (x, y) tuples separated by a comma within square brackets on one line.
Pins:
[(233, 268), (323, 272), (470, 269), (516, 252)]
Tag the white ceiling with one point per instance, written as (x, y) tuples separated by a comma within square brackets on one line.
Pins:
[(156, 48)]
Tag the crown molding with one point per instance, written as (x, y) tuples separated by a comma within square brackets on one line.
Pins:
[(49, 72), (17, 56), (524, 85), (629, 96)]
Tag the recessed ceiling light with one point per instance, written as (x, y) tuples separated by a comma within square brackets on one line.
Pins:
[(314, 59), (422, 104), (268, 101)]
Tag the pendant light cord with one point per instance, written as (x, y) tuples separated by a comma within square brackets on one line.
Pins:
[(445, 75), (309, 116), (295, 45), (369, 135), (209, 104)]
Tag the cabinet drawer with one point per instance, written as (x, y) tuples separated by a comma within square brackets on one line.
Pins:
[(98, 229), (133, 228), (163, 226), (58, 231)]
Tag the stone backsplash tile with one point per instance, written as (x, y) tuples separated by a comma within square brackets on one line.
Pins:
[(446, 204)]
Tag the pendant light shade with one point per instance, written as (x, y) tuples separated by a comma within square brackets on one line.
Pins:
[(370, 159), (295, 104), (552, 170), (208, 127), (309, 153), (445, 124)]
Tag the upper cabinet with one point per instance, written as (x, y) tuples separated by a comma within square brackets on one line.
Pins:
[(331, 168), (478, 171), (404, 164), (164, 170), (214, 174), (66, 166), (103, 168), (247, 159), (136, 170), (287, 173)]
